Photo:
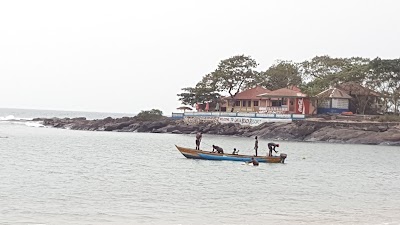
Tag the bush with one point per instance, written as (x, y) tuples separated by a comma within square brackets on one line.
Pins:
[(154, 114)]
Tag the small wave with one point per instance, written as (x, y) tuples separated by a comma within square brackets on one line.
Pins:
[(13, 118), (24, 123), (33, 124)]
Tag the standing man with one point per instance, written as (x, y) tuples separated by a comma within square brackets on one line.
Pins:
[(198, 140), (271, 147), (256, 145)]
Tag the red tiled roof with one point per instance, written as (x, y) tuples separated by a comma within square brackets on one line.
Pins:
[(294, 88), (284, 92), (251, 93)]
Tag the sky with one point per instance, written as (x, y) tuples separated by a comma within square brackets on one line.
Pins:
[(128, 56)]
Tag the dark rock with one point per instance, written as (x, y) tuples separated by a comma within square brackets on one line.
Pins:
[(301, 130), (372, 128), (143, 128), (383, 128), (157, 131), (108, 119)]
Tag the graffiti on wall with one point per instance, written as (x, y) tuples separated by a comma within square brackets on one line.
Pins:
[(194, 120), (246, 121)]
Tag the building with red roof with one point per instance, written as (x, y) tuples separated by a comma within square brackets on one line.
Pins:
[(286, 100), (262, 100), (245, 101)]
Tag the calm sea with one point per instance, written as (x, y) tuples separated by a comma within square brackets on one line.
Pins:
[(55, 176)]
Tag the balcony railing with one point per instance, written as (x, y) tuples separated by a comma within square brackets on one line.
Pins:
[(274, 109)]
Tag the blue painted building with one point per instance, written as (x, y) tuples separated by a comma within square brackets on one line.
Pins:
[(333, 100)]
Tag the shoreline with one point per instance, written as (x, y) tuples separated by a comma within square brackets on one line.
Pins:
[(346, 132)]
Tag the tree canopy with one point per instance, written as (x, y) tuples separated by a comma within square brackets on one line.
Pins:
[(146, 115), (204, 91), (231, 76), (239, 72), (282, 75)]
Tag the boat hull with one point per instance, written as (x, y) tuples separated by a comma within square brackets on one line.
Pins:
[(229, 158), (200, 154)]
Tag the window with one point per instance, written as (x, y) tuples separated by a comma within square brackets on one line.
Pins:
[(255, 103), (340, 103), (237, 103), (324, 103), (249, 103), (284, 101), (244, 103), (276, 103)]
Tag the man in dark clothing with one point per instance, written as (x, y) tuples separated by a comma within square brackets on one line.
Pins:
[(218, 149), (271, 147), (198, 140), (256, 145), (254, 161)]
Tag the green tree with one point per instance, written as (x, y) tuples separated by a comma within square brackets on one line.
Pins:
[(153, 114), (322, 72), (356, 69), (233, 74), (259, 79), (282, 75), (385, 75), (204, 91), (321, 67)]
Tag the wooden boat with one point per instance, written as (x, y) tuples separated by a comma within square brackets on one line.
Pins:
[(200, 154)]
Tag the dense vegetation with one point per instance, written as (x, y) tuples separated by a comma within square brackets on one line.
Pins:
[(239, 72), (148, 115)]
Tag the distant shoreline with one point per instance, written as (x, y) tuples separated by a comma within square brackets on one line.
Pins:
[(371, 133)]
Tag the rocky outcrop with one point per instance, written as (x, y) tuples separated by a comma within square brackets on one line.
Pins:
[(302, 130)]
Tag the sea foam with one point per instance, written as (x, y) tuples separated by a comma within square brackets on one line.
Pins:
[(13, 118)]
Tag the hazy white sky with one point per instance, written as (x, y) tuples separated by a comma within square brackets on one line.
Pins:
[(127, 56)]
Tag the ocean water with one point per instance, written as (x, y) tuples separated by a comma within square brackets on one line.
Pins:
[(28, 114), (56, 176)]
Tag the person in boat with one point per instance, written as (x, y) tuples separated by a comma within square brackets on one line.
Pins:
[(256, 145), (198, 140), (271, 147), (235, 152), (218, 149), (253, 161)]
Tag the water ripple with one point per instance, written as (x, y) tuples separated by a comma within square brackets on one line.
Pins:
[(52, 176)]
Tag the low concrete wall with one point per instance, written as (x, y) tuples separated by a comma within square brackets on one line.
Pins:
[(246, 115), (246, 121)]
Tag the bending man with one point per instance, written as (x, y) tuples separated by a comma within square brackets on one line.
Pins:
[(271, 147), (218, 149)]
